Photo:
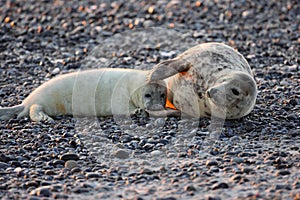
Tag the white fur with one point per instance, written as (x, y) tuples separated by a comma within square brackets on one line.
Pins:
[(99, 92)]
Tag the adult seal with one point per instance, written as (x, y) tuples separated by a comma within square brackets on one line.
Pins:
[(98, 92), (210, 79)]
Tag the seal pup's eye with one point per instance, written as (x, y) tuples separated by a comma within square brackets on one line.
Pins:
[(162, 96), (147, 95), (235, 91)]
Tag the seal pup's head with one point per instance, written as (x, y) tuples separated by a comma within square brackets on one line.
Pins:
[(233, 94), (151, 96)]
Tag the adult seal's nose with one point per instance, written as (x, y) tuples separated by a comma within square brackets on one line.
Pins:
[(212, 92)]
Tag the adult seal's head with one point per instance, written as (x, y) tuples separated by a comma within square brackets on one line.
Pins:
[(233, 94), (210, 79)]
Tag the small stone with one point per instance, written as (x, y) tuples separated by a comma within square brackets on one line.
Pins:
[(236, 178), (282, 187), (160, 122), (70, 164), (146, 171), (282, 173), (76, 170), (219, 186), (237, 160), (121, 154), (246, 170), (167, 54), (58, 162), (211, 163), (190, 188), (145, 162), (213, 198), (151, 10), (42, 191), (31, 184), (55, 71), (69, 156), (3, 165), (49, 172), (19, 171), (92, 175), (156, 153)]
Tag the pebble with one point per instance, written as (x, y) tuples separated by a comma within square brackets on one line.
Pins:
[(211, 163), (160, 122), (71, 164), (43, 191), (92, 175), (282, 173), (190, 188), (55, 71), (246, 170), (40, 40), (146, 171), (121, 154), (237, 160), (69, 156), (3, 165), (156, 153), (221, 185)]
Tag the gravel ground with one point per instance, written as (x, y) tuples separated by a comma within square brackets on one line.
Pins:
[(256, 157)]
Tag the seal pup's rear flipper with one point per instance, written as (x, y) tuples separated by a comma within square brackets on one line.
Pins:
[(7, 113)]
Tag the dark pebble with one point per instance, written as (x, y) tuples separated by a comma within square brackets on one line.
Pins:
[(92, 175), (219, 186), (4, 165), (282, 187), (282, 173), (69, 156), (211, 163), (190, 188)]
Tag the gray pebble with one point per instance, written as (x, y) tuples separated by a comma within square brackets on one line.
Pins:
[(160, 122), (121, 154), (237, 160), (43, 191), (156, 153), (3, 165), (55, 71), (70, 164)]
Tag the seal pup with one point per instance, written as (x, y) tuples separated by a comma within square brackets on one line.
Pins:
[(98, 92), (210, 79)]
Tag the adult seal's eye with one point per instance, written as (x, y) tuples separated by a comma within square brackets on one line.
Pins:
[(235, 91), (162, 96), (147, 95)]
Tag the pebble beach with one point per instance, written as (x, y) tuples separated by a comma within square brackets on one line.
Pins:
[(139, 157)]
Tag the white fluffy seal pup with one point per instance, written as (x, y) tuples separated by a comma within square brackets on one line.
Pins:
[(210, 79), (98, 92)]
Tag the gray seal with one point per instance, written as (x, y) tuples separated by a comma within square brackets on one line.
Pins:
[(210, 79)]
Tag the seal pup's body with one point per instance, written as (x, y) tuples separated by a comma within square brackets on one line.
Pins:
[(98, 92), (210, 79)]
